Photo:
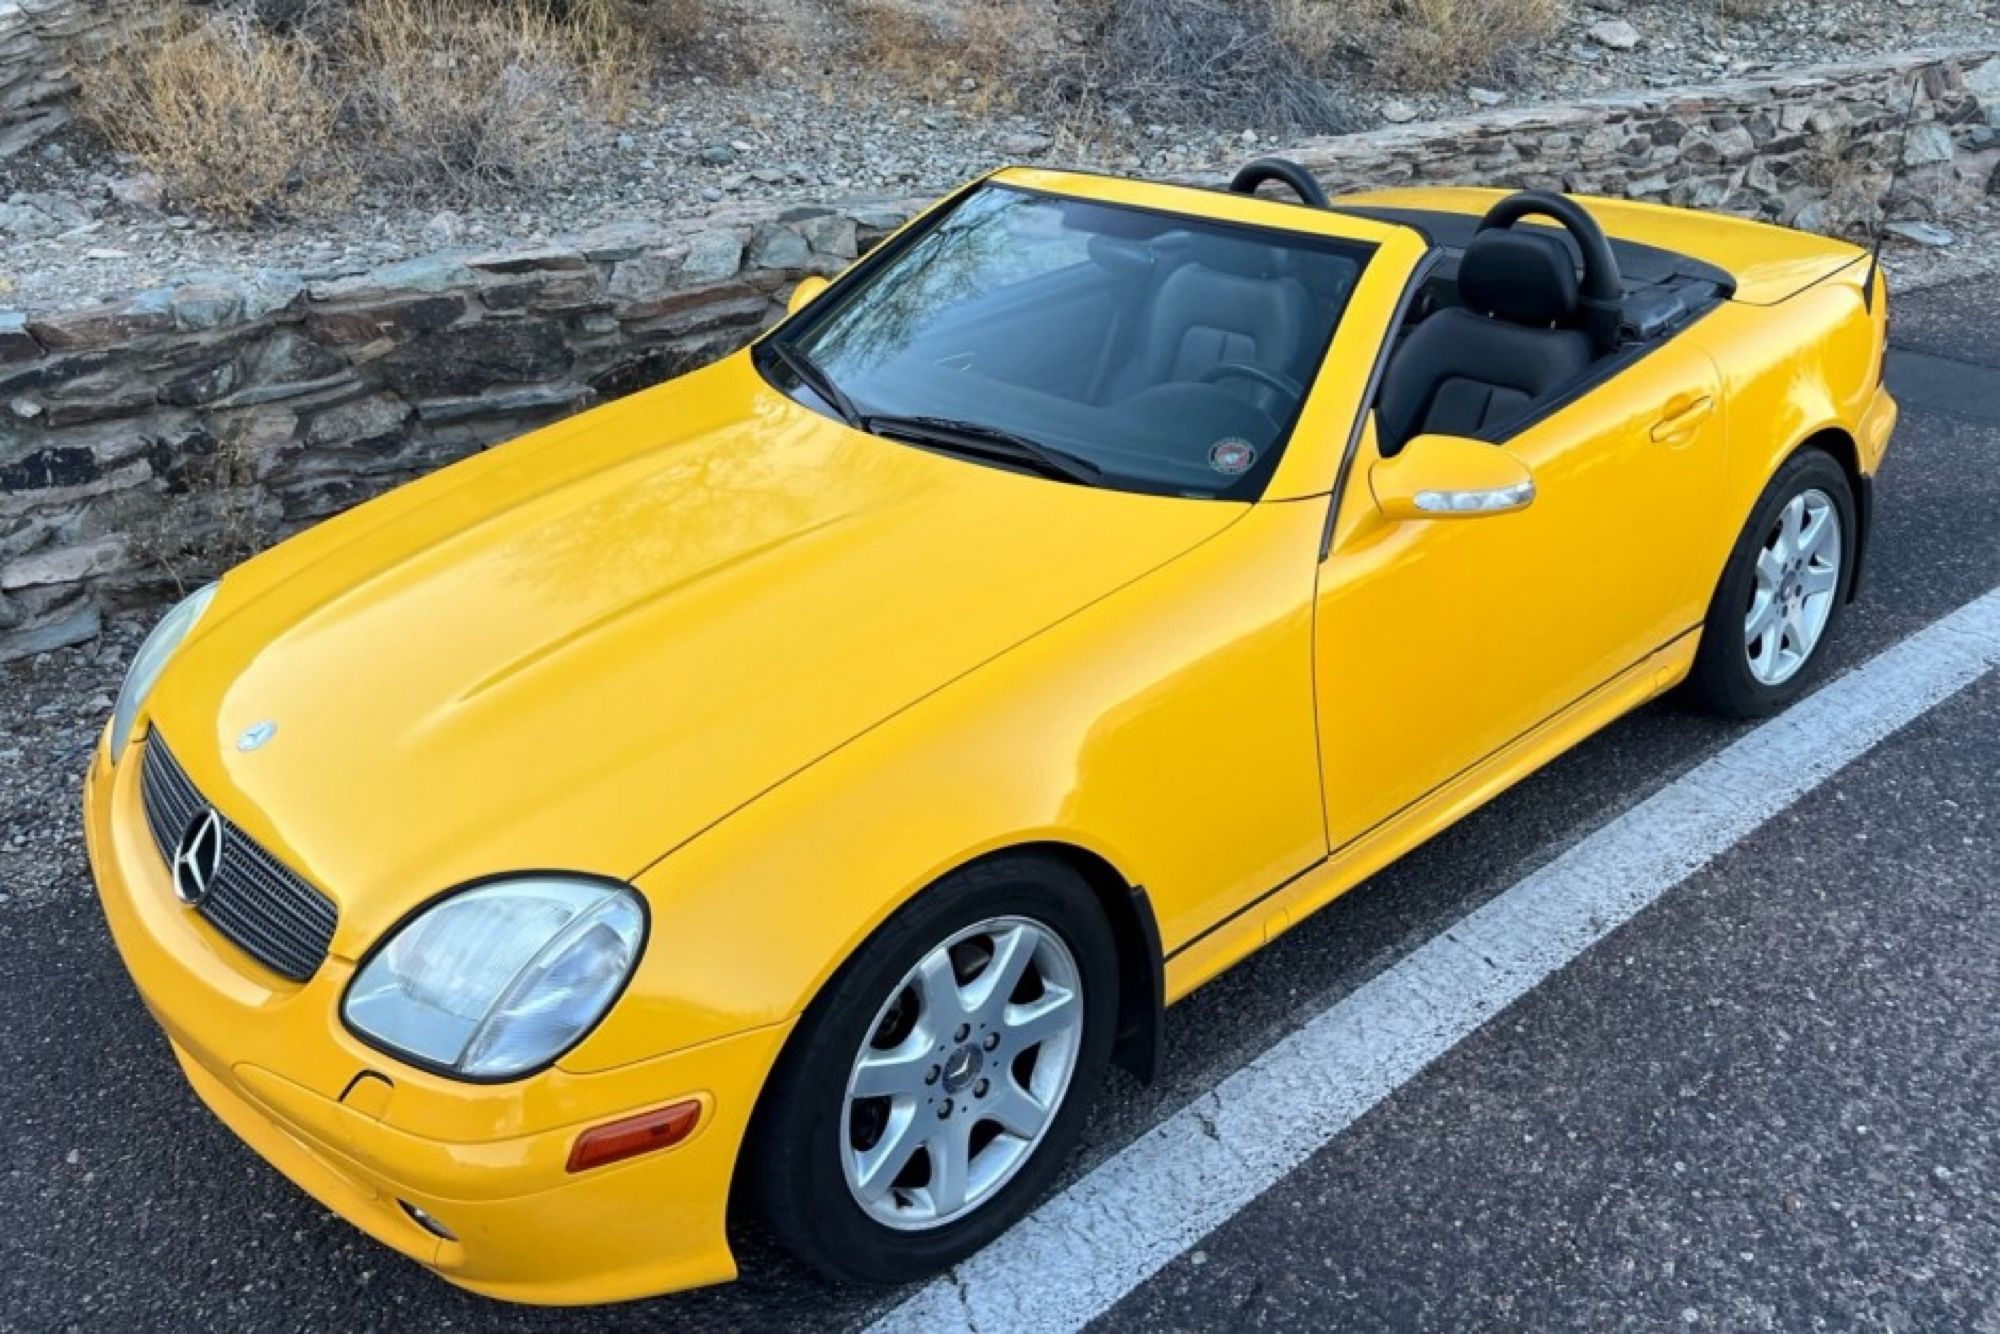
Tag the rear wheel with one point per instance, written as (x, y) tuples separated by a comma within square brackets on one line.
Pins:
[(1783, 592), (931, 1094)]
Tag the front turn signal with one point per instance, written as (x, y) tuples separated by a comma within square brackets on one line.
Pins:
[(615, 1141)]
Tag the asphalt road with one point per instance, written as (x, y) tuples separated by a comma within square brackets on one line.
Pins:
[(1767, 1101)]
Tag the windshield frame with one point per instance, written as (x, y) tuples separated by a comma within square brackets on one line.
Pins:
[(1250, 487)]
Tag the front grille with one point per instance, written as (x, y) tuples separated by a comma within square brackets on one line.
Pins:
[(263, 907)]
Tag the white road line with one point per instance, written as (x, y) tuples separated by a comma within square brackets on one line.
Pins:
[(1120, 1223)]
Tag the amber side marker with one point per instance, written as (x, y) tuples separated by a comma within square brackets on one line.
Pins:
[(614, 1141)]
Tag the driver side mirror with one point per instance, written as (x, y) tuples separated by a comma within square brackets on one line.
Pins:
[(1450, 477), (802, 295)]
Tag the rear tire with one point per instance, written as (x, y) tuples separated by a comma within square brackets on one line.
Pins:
[(1782, 594), (983, 1093)]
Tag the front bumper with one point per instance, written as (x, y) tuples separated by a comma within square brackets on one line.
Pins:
[(365, 1136)]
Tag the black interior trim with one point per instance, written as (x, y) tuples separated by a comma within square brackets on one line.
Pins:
[(1641, 265)]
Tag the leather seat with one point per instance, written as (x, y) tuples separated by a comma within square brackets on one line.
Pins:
[(1227, 302), (1474, 369)]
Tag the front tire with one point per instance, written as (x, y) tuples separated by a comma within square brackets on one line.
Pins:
[(1783, 592), (931, 1093)]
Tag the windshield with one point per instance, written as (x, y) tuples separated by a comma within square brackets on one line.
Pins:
[(1134, 349)]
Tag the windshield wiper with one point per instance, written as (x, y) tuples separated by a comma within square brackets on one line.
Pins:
[(812, 377), (986, 441)]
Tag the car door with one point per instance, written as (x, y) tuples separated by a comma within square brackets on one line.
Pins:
[(1438, 641)]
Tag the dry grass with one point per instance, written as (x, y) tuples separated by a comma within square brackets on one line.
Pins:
[(1001, 45), (436, 99), (470, 96), (1231, 62), (1421, 43), (229, 115)]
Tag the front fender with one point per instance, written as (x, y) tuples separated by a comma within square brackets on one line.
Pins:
[(1166, 730)]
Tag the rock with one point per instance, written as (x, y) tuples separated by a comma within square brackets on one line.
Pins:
[(616, 241), (1616, 34), (713, 255), (429, 273), (64, 565), (77, 625), (718, 155), (1921, 233), (1025, 144), (377, 417), (1486, 97), (206, 305), (268, 291), (140, 193), (16, 343), (468, 359), (101, 326), (776, 247), (1927, 144), (443, 229), (1398, 112), (536, 399), (525, 261), (831, 235), (1984, 82), (645, 277)]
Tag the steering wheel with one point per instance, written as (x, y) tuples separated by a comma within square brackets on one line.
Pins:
[(1243, 370), (1603, 298)]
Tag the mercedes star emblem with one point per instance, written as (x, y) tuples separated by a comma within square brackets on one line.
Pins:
[(198, 857), (256, 734)]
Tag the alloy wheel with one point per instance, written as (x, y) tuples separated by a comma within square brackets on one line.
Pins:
[(1797, 580), (962, 1073)]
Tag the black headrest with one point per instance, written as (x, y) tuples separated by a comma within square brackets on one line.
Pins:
[(1519, 276), (1229, 254)]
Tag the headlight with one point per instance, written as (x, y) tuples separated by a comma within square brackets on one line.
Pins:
[(501, 979), (152, 656)]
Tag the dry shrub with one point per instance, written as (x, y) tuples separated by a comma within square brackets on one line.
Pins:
[(1229, 62), (229, 116), (469, 95), (1422, 43), (436, 99), (1003, 45)]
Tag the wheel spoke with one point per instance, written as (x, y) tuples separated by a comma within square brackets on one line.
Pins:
[(950, 1150), (1018, 1111), (1764, 650), (1819, 528), (877, 1168), (1792, 526), (1770, 569), (900, 1070), (1013, 951), (1040, 1019), (1763, 613), (1795, 632), (937, 985), (1814, 579)]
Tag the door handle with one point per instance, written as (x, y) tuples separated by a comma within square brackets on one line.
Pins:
[(1682, 417)]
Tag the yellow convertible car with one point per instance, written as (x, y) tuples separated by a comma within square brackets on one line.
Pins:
[(780, 794)]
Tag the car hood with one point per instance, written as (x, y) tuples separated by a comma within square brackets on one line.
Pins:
[(580, 649)]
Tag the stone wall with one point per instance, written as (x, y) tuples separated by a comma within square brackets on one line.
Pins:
[(146, 443), (40, 42)]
